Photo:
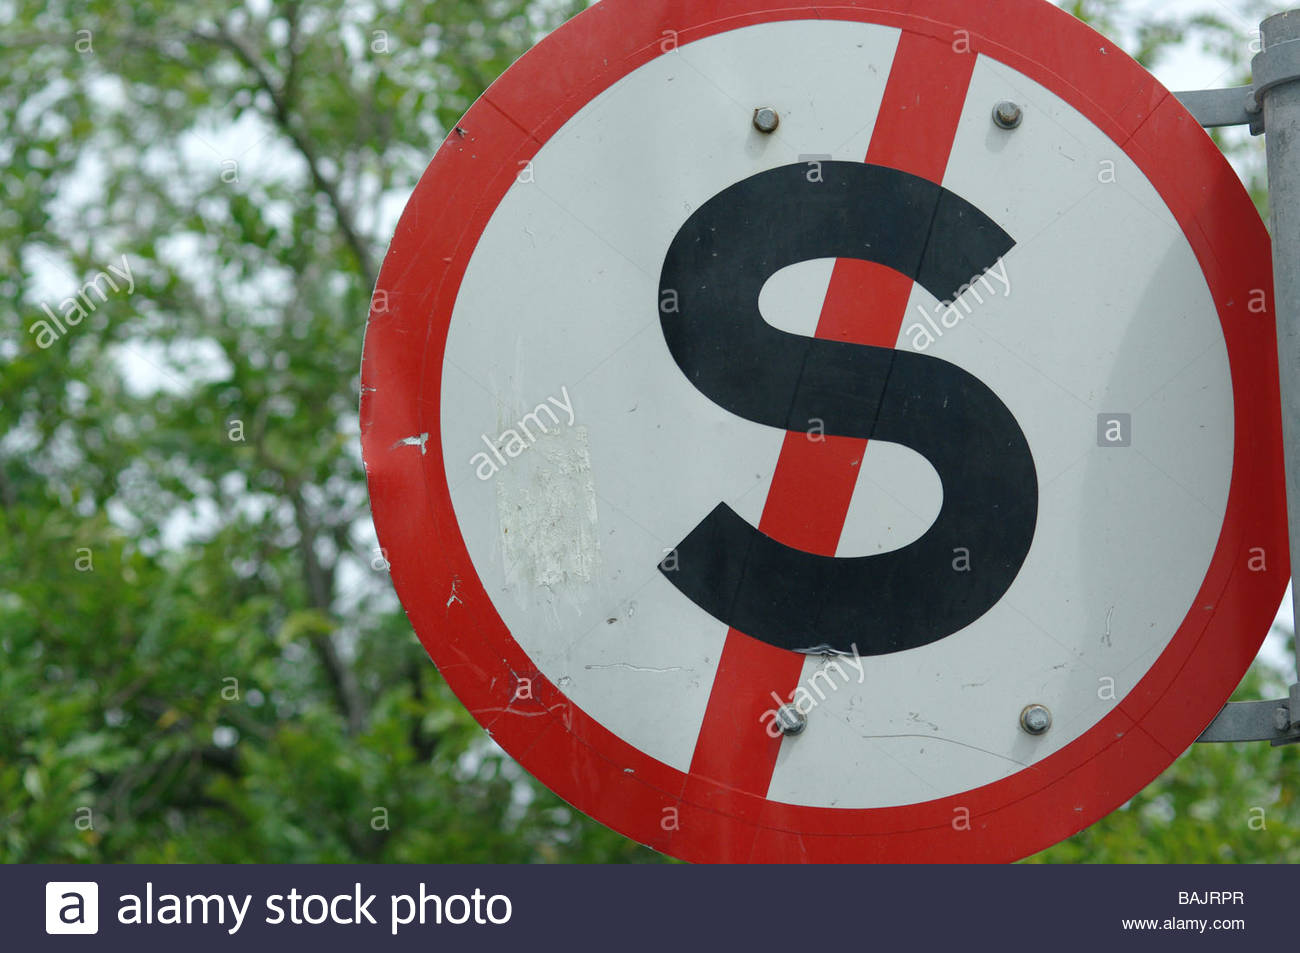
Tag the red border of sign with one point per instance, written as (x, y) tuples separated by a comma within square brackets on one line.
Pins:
[(618, 784)]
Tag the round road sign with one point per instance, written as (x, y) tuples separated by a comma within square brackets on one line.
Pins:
[(831, 432)]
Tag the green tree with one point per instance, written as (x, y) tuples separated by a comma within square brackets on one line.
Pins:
[(202, 658)]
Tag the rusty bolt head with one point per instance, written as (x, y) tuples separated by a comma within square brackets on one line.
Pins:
[(1007, 115), (1036, 719), (790, 720), (766, 119)]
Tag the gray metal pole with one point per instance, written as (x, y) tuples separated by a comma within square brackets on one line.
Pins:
[(1281, 103)]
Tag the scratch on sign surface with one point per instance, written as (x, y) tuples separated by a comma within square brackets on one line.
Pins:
[(546, 503), (421, 441)]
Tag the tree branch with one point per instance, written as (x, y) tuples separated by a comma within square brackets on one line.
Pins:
[(320, 594), (283, 117)]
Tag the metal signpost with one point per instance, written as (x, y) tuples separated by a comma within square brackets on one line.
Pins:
[(806, 433), (1272, 106)]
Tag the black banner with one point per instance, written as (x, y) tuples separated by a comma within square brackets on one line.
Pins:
[(194, 908)]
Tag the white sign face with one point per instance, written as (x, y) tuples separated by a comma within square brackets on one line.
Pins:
[(580, 454)]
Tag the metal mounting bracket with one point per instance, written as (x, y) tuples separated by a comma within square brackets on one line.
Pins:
[(1278, 63), (1275, 65), (1269, 721), (1235, 106)]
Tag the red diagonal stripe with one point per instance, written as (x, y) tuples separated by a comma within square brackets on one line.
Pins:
[(814, 478)]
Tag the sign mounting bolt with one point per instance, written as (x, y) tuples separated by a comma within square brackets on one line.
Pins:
[(1007, 115), (766, 119), (1282, 718), (790, 721), (1036, 719)]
